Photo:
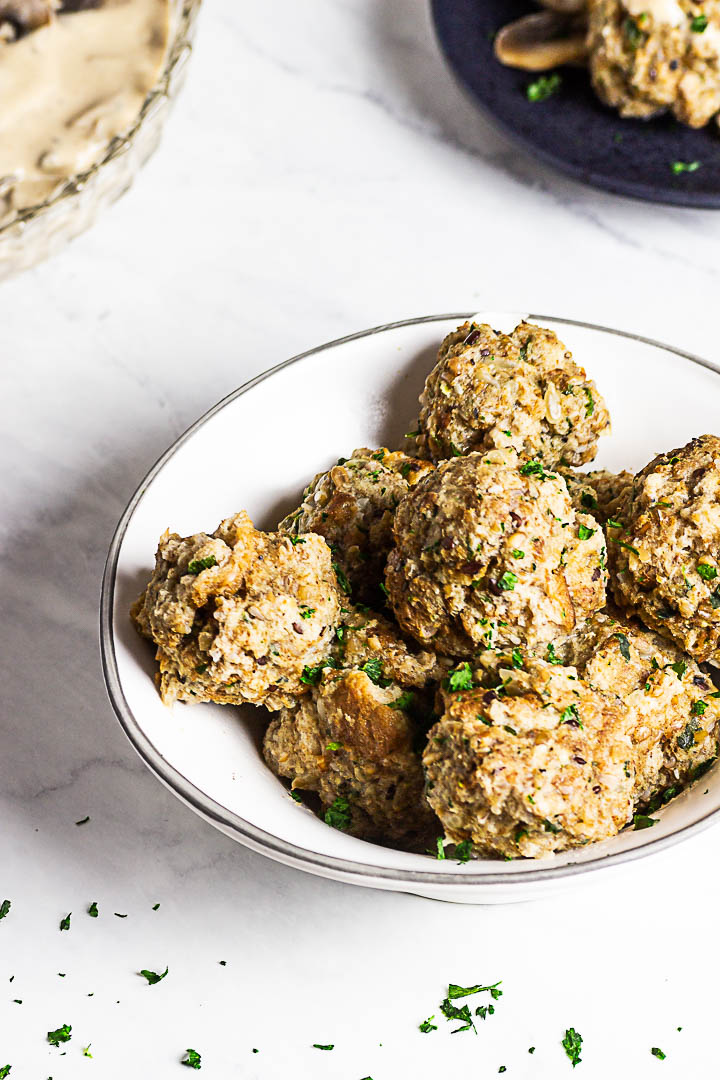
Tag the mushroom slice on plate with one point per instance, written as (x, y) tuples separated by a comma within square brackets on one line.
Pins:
[(541, 41)]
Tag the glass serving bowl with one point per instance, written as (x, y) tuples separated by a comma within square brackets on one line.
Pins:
[(41, 230)]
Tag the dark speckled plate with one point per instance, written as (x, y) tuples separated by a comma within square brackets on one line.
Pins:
[(571, 130)]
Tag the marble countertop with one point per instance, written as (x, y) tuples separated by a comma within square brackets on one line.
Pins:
[(321, 173)]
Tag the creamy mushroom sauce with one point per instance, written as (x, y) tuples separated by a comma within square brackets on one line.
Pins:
[(68, 89)]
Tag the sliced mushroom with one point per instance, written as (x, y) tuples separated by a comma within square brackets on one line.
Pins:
[(26, 15), (541, 41)]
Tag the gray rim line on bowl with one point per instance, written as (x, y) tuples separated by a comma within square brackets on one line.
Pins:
[(232, 824), (180, 48)]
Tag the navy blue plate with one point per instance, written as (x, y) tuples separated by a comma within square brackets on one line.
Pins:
[(572, 130)]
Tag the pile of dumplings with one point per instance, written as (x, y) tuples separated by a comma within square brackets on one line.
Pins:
[(466, 644)]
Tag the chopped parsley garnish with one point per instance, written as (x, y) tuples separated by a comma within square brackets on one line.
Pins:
[(324, 1046), (517, 553), (118, 915), (461, 678), (543, 88), (623, 544), (698, 708), (552, 658), (295, 796), (686, 738), (373, 668), (152, 976), (517, 658), (590, 403), (60, 1035), (584, 533), (588, 501), (536, 468), (155, 907), (633, 34), (549, 827), (440, 848), (452, 1012), (338, 814), (427, 1025), (83, 821), (334, 746), (657, 1052), (685, 167), (65, 923), (4, 1071), (707, 572), (86, 1050), (698, 26), (508, 581), (613, 524), (642, 821), (296, 540), (679, 668), (572, 1044), (307, 612), (93, 910), (342, 579), (404, 702), (5, 908), (463, 851), (311, 675), (571, 716), (455, 991), (192, 1059), (196, 565), (624, 646)]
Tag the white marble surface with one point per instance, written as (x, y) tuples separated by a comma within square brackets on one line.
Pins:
[(321, 174)]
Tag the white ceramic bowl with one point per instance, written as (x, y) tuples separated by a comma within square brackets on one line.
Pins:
[(257, 449)]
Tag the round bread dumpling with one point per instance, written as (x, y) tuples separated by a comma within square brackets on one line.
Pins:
[(489, 553), (237, 615), (356, 740), (352, 505), (521, 391), (596, 492), (648, 58), (672, 705), (528, 760), (664, 547)]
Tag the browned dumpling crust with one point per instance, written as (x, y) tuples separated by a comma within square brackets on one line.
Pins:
[(491, 552), (662, 57), (664, 547), (356, 740), (521, 391), (237, 615), (528, 759), (673, 706), (352, 505)]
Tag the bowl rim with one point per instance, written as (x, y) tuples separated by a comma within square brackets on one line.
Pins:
[(258, 839)]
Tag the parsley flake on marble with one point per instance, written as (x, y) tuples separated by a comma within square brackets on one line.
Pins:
[(152, 976), (192, 1059), (60, 1035)]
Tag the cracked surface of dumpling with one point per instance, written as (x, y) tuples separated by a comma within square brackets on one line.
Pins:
[(352, 505), (521, 391), (356, 740), (664, 547), (596, 492), (539, 764), (673, 711), (663, 57), (238, 614), (488, 553)]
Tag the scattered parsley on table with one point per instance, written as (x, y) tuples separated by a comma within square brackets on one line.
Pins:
[(572, 1044), (60, 1035), (65, 923), (93, 910), (192, 1059), (152, 976), (4, 910)]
